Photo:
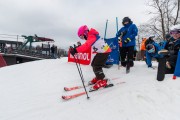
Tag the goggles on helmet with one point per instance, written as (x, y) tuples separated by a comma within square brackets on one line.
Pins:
[(174, 32)]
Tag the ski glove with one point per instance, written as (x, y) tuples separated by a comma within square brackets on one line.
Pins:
[(72, 50), (127, 40)]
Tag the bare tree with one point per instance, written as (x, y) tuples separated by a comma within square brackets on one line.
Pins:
[(146, 30), (165, 14)]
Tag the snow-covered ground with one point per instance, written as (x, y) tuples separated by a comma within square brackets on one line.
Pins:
[(32, 91)]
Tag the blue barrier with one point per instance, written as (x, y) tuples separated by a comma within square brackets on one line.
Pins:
[(114, 55), (177, 69)]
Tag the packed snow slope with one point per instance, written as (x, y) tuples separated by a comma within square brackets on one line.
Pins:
[(32, 91)]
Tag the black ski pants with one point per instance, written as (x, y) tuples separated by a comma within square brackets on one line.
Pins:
[(98, 63), (172, 60), (126, 54)]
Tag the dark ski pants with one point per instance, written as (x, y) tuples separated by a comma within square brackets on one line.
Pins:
[(98, 63), (172, 60), (127, 52), (143, 53), (134, 55)]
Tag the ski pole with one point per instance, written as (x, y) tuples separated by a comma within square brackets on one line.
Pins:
[(81, 75), (80, 71), (119, 43)]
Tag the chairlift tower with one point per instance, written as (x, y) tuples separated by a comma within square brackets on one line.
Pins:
[(35, 38)]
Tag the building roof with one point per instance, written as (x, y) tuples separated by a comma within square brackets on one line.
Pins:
[(10, 42)]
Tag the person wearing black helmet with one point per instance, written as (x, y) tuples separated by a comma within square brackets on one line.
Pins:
[(150, 40), (152, 52), (127, 36), (168, 39)]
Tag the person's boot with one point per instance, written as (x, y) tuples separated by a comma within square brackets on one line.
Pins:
[(101, 83), (123, 63), (93, 81)]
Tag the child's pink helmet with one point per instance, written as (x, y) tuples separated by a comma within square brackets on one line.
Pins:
[(82, 30)]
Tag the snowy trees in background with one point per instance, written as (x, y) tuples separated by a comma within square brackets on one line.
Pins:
[(164, 14)]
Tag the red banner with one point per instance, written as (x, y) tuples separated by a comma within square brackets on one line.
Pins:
[(82, 58)]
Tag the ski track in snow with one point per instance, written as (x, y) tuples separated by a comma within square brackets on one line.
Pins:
[(32, 91)]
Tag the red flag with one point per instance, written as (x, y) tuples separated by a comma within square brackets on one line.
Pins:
[(82, 58)]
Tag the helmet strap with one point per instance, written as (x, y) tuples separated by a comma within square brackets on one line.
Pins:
[(85, 37), (86, 34)]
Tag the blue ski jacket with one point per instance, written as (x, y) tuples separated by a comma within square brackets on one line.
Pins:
[(130, 31), (149, 56)]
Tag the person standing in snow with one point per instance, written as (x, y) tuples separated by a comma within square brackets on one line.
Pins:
[(129, 31), (135, 52), (53, 51), (102, 51), (143, 49)]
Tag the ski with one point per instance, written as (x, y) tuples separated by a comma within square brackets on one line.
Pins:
[(79, 87), (110, 85), (74, 88), (68, 97)]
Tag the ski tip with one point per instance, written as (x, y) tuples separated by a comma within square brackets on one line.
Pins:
[(66, 89), (65, 98)]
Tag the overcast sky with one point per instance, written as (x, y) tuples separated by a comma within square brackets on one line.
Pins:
[(60, 19)]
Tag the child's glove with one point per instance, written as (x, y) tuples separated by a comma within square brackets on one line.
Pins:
[(72, 50)]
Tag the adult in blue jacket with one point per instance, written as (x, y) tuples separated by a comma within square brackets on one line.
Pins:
[(152, 52), (127, 36)]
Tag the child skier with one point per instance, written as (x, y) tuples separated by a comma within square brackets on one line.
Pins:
[(101, 48)]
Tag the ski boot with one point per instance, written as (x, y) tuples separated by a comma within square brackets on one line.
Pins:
[(101, 83), (93, 81)]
